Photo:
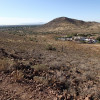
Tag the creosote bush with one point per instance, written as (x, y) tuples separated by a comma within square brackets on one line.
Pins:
[(50, 47)]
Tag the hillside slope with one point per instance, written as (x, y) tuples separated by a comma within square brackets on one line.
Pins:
[(68, 25), (34, 70)]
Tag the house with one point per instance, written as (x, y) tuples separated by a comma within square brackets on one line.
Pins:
[(62, 38), (65, 38), (90, 40), (78, 39), (69, 39)]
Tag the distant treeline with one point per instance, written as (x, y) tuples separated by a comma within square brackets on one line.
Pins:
[(17, 26)]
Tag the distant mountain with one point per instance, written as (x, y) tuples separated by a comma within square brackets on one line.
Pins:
[(68, 25)]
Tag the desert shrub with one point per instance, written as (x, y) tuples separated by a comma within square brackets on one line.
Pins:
[(95, 96), (21, 34), (57, 65), (56, 38), (33, 39), (6, 64), (67, 84), (42, 80), (69, 36), (84, 35), (98, 39), (40, 67), (17, 75), (50, 47), (75, 34), (98, 94), (3, 65), (90, 77)]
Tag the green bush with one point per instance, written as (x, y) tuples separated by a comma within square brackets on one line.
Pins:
[(98, 38), (69, 36), (84, 35)]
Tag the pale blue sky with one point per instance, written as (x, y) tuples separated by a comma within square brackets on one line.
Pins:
[(35, 11)]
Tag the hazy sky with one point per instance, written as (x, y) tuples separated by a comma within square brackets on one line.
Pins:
[(36, 11)]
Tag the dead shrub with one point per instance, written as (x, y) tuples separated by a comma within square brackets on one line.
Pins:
[(6, 64), (17, 75)]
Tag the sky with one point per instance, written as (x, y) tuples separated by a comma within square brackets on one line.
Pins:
[(17, 12)]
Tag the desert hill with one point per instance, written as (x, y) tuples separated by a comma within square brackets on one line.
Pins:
[(68, 25)]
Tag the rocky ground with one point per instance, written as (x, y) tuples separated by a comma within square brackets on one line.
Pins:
[(42, 68)]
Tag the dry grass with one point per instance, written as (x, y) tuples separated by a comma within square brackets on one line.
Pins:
[(41, 80), (40, 67), (72, 67), (6, 64)]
